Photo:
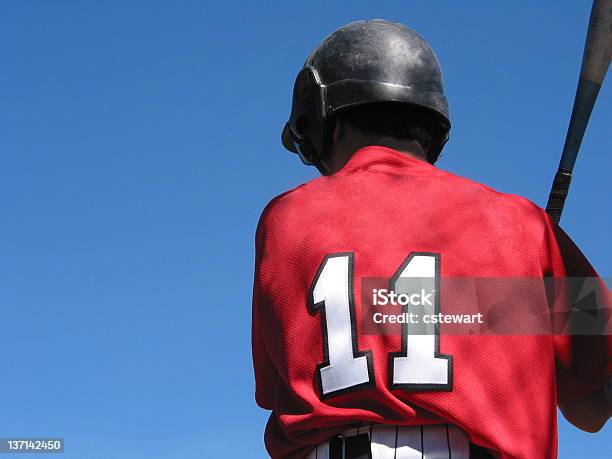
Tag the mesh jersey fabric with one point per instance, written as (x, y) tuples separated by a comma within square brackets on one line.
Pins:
[(382, 206)]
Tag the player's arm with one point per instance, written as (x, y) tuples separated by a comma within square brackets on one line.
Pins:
[(583, 355), (266, 375), (591, 412)]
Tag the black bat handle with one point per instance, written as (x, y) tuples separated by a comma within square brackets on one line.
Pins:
[(558, 193)]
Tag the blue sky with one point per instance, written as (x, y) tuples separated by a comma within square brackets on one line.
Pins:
[(140, 141)]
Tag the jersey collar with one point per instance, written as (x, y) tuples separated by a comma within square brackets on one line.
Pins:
[(373, 155)]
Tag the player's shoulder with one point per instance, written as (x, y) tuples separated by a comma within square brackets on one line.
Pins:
[(288, 204), (485, 200), (294, 215), (280, 210), (469, 187)]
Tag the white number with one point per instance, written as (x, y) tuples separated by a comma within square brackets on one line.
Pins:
[(332, 291), (419, 366)]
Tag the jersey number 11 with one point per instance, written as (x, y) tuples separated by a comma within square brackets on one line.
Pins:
[(418, 366)]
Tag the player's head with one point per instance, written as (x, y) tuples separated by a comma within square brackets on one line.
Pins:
[(367, 82)]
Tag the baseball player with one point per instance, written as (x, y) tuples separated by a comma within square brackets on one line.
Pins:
[(369, 112)]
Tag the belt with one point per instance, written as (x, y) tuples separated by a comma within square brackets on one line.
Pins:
[(400, 442)]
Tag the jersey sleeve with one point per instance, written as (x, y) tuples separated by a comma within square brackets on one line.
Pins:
[(263, 366), (265, 373), (581, 308)]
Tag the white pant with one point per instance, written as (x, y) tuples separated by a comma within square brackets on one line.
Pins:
[(415, 442)]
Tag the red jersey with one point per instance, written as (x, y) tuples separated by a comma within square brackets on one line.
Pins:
[(383, 212)]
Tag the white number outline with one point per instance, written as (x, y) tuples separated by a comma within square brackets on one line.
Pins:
[(313, 308), (420, 387)]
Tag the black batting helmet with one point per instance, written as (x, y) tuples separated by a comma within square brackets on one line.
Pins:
[(360, 63)]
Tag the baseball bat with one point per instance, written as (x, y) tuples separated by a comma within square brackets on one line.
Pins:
[(595, 62)]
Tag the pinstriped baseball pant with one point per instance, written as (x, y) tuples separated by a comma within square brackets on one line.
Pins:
[(398, 442)]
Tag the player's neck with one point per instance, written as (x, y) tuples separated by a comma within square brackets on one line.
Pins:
[(341, 153)]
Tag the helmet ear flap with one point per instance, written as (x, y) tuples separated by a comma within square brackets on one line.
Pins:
[(438, 140), (305, 132)]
